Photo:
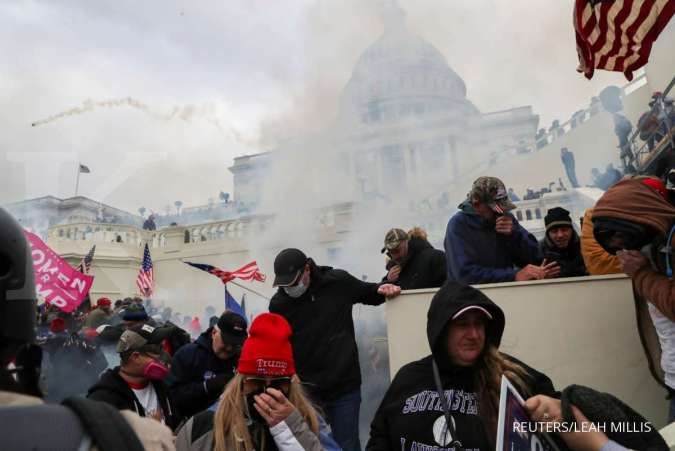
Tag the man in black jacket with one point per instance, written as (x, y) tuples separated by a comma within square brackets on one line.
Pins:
[(200, 370), (561, 244), (414, 263), (317, 302), (137, 384)]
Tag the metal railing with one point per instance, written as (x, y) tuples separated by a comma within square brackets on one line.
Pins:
[(644, 151)]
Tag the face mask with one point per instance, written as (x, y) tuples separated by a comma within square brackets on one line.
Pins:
[(250, 407), (155, 371), (297, 290)]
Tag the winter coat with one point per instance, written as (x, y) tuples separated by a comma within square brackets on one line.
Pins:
[(411, 414), (153, 435), (423, 268), (114, 390), (323, 340), (633, 201), (570, 259), (191, 367), (476, 253), (597, 260), (290, 435)]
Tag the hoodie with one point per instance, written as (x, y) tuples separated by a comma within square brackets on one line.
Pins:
[(632, 200), (114, 390), (191, 367), (476, 253), (411, 414)]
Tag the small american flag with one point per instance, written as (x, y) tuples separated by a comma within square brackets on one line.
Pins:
[(146, 279), (85, 265), (246, 272), (617, 35)]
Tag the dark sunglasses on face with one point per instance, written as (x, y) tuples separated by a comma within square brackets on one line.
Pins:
[(260, 384)]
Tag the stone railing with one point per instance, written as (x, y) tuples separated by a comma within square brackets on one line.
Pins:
[(325, 220), (101, 233)]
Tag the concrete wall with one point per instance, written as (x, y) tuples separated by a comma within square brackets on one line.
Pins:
[(576, 331)]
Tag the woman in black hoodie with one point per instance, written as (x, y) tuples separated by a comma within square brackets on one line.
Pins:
[(464, 328)]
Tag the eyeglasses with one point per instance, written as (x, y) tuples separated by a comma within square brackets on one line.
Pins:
[(260, 384)]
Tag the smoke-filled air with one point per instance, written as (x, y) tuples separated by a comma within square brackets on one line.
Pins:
[(192, 167)]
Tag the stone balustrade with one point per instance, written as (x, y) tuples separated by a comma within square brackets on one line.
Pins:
[(236, 229)]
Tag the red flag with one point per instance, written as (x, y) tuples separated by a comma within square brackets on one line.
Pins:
[(55, 280), (617, 35)]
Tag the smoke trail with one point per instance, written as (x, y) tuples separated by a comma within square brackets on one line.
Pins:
[(187, 113)]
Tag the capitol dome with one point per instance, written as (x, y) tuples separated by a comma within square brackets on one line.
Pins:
[(400, 75)]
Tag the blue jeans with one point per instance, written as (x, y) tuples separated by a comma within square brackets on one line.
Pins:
[(343, 416)]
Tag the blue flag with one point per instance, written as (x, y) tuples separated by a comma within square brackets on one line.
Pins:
[(231, 305)]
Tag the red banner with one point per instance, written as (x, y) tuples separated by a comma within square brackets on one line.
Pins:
[(55, 280)]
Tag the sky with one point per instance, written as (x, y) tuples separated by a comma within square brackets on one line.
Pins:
[(212, 80)]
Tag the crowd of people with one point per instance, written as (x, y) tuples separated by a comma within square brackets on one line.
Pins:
[(292, 378)]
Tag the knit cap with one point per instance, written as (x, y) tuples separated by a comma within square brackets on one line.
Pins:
[(267, 350)]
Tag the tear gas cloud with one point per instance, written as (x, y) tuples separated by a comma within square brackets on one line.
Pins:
[(268, 78)]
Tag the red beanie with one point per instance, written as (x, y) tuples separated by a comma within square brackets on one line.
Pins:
[(103, 302), (267, 350), (57, 325)]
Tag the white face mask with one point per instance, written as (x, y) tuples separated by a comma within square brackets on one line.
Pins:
[(297, 290)]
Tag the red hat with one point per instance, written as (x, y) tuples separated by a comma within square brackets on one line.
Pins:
[(103, 302), (267, 350), (657, 185), (57, 325)]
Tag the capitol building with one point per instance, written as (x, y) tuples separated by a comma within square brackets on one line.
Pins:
[(402, 151)]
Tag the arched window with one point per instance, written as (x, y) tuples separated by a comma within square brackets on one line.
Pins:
[(537, 213), (528, 215), (519, 215)]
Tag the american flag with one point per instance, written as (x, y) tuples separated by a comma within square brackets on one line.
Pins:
[(146, 278), (617, 35), (249, 271), (85, 265)]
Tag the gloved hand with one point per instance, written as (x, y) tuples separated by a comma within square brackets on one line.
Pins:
[(216, 385)]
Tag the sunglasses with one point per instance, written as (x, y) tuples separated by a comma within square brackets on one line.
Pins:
[(260, 384)]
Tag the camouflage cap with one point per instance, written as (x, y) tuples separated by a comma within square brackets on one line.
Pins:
[(393, 238), (491, 191)]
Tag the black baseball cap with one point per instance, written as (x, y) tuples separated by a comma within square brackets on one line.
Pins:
[(288, 266), (232, 328)]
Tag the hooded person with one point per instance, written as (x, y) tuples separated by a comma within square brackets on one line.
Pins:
[(413, 261), (200, 370), (561, 243), (633, 221), (464, 329), (264, 407), (484, 243), (138, 383)]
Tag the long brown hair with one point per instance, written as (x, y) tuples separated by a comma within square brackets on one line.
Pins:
[(488, 382), (229, 424)]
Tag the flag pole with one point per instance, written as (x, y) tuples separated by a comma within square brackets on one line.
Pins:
[(248, 289), (77, 179)]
